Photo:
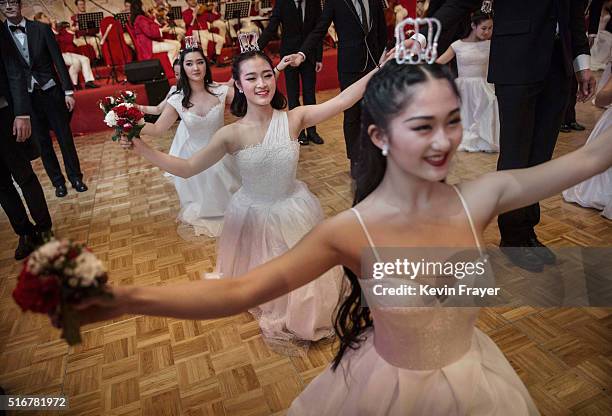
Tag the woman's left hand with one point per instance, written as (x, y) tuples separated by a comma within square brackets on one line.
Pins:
[(284, 63)]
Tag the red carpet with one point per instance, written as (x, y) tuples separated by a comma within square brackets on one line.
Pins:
[(88, 118)]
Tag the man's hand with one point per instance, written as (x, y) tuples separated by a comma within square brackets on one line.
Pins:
[(22, 128), (318, 66), (296, 59), (586, 85), (70, 102)]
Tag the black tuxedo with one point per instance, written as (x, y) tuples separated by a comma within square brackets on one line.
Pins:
[(49, 108), (531, 67), (14, 161), (294, 31), (358, 53)]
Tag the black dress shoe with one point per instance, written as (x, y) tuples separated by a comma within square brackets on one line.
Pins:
[(25, 246), (315, 138), (91, 85), (544, 253), (79, 186), (576, 126), (303, 139), (61, 191), (565, 128), (523, 257)]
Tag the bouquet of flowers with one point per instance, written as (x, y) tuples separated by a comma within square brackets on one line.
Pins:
[(108, 103), (56, 276), (126, 119)]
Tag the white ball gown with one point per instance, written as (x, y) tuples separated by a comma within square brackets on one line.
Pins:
[(268, 215), (204, 197), (479, 110), (418, 361), (595, 192)]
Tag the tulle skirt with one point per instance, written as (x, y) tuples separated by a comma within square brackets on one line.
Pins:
[(595, 192), (482, 382), (205, 196), (479, 115), (257, 231)]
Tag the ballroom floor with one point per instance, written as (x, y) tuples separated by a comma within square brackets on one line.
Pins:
[(140, 365)]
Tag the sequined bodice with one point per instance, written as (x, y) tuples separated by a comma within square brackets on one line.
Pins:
[(268, 169), (417, 337), (472, 58)]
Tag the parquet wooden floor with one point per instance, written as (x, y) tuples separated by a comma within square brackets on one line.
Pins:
[(155, 366)]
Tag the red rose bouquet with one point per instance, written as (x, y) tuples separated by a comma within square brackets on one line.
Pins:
[(56, 276), (126, 119)]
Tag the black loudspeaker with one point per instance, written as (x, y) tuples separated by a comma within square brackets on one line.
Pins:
[(142, 71)]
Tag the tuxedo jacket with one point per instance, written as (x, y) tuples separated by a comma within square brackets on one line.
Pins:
[(46, 60), (524, 33), (14, 88), (353, 43), (294, 30)]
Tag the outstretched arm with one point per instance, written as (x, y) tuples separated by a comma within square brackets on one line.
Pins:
[(504, 191), (185, 168), (310, 115), (163, 123), (206, 299)]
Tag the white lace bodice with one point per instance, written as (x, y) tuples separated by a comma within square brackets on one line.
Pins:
[(268, 169), (201, 128), (472, 58)]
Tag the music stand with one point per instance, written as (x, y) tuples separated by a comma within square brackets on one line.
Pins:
[(123, 17), (90, 23), (175, 13), (265, 4), (236, 10)]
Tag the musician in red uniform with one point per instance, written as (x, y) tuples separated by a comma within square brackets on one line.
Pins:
[(148, 35), (74, 61), (198, 26)]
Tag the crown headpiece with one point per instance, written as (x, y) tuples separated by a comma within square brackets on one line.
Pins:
[(415, 54), (248, 42), (191, 42), (487, 6)]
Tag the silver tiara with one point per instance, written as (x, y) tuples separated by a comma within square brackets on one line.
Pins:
[(248, 42), (191, 42), (414, 54), (487, 6)]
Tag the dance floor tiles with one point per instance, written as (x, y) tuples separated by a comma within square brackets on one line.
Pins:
[(151, 366)]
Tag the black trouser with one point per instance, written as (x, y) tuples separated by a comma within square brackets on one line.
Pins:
[(15, 164), (352, 118), (570, 112), (50, 113), (307, 73), (530, 117)]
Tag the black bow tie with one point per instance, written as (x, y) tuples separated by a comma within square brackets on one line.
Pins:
[(16, 28)]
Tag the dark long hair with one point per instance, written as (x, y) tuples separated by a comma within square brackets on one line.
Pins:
[(136, 10), (239, 103), (389, 91), (475, 19), (183, 83)]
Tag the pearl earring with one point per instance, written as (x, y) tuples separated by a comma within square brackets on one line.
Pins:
[(385, 149)]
